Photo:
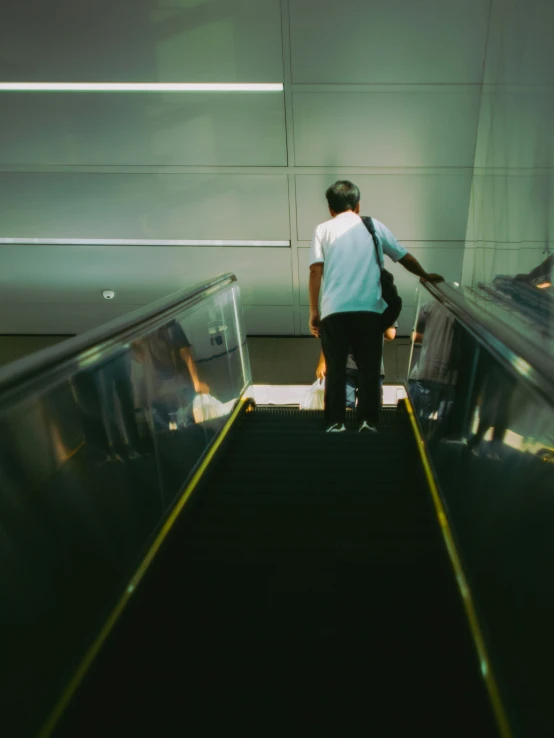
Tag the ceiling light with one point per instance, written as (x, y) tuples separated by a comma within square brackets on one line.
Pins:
[(137, 242), (139, 87)]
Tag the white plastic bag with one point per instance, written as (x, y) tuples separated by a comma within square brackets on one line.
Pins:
[(207, 407), (315, 396)]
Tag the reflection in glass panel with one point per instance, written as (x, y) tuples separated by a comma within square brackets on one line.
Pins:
[(525, 299), (490, 439), (93, 454), (192, 381)]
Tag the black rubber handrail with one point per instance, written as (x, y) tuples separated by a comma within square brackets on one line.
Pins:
[(89, 347), (522, 356)]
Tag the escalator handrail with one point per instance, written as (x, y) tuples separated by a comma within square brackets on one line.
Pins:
[(508, 346), (93, 345)]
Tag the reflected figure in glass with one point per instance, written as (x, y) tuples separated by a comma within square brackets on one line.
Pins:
[(104, 397), (442, 378), (431, 376), (173, 377), (531, 294), (496, 389)]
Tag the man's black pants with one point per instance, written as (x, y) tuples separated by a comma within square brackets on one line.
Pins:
[(363, 333)]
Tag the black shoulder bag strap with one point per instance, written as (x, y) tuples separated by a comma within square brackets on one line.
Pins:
[(370, 225), (388, 288)]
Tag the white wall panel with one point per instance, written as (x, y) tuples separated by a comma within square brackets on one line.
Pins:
[(515, 207), (79, 274), (515, 128), (445, 259), (215, 128), (482, 263), (39, 319), (478, 265), (137, 41), (305, 321), (520, 48), (416, 207), (54, 317), (412, 72), (511, 214), (388, 42), (268, 321), (304, 274), (148, 206), (408, 128)]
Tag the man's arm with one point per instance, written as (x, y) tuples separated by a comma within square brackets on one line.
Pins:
[(316, 273), (410, 263), (390, 333), (397, 252), (200, 387)]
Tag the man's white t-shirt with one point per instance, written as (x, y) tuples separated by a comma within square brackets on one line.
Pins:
[(351, 275)]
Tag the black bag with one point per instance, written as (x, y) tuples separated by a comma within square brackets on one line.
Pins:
[(388, 288)]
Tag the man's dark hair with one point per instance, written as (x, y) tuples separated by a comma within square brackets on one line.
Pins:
[(342, 196)]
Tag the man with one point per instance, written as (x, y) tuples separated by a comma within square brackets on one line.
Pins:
[(344, 269), (352, 374)]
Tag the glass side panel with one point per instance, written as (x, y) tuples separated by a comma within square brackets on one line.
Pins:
[(92, 458), (523, 301), (491, 444)]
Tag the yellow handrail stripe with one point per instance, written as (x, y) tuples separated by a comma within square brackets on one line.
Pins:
[(471, 614), (92, 653)]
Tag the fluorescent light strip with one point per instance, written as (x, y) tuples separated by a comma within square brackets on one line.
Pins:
[(138, 87), (134, 242)]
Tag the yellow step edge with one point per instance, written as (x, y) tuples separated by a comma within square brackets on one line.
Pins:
[(68, 693), (467, 598)]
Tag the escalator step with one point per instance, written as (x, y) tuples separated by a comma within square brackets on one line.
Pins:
[(305, 590)]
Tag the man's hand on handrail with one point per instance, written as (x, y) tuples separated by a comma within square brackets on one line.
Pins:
[(433, 278), (410, 263)]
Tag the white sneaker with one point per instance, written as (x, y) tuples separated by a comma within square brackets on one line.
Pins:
[(336, 428), (366, 427)]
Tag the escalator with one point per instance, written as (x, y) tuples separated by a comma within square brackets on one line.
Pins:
[(305, 589), (172, 564)]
